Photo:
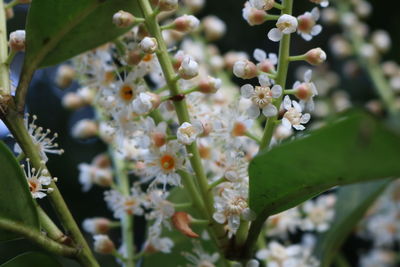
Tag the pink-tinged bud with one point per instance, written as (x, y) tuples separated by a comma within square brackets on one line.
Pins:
[(103, 244), (186, 23), (181, 221), (102, 161), (72, 101), (316, 56), (189, 68), (194, 5), (231, 57), (148, 45), (304, 91), (256, 17), (305, 23), (97, 225), (159, 139), (245, 69), (123, 19), (266, 66), (65, 75), (209, 85), (85, 129), (214, 28), (17, 40)]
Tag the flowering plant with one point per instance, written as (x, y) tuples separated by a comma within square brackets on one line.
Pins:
[(223, 175)]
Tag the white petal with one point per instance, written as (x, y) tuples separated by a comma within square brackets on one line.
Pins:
[(286, 123), (264, 80), (276, 91), (253, 111), (296, 106), (315, 13), (247, 90), (299, 127), (316, 30), (275, 35), (287, 104), (305, 118), (259, 55), (307, 76), (273, 58), (296, 84), (306, 36), (325, 3), (269, 110)]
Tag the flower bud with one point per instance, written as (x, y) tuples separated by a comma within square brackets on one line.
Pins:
[(254, 16), (87, 94), (214, 28), (145, 103), (103, 244), (315, 56), (9, 13), (262, 4), (72, 101), (209, 85), (186, 23), (181, 221), (189, 68), (194, 5), (177, 59), (245, 69), (17, 40), (231, 57), (134, 57), (381, 40), (148, 45), (97, 225), (167, 5), (123, 19), (65, 75), (85, 129)]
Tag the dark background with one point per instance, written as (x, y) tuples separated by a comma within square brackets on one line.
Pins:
[(44, 101)]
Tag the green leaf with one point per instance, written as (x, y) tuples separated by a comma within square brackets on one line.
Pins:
[(182, 243), (353, 148), (16, 203), (32, 259), (352, 203), (59, 30)]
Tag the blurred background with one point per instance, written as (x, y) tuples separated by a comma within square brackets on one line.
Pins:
[(44, 100)]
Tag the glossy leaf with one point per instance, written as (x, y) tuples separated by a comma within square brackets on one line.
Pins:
[(353, 148), (32, 259), (59, 30), (16, 202), (352, 203)]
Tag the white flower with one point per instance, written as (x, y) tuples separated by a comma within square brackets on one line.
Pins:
[(277, 255), (306, 91), (17, 40), (36, 180), (41, 139), (162, 165), (307, 27), (286, 24), (156, 243), (319, 213), (162, 209), (200, 257), (262, 98), (187, 133), (125, 204), (283, 223), (323, 3), (252, 15), (91, 174), (378, 257), (293, 116)]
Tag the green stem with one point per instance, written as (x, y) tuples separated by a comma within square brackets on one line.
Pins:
[(283, 64), (183, 115), (271, 17), (38, 238), (217, 182), (4, 68), (21, 157), (127, 219), (253, 137), (297, 58), (11, 4), (49, 226), (16, 125)]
